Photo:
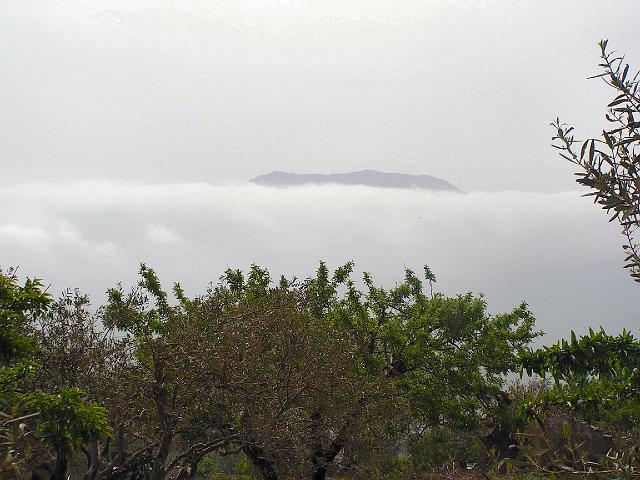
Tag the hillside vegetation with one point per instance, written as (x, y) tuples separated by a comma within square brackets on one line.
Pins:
[(330, 376)]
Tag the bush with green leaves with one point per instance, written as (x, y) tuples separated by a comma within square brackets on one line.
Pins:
[(61, 420), (19, 306), (597, 376), (596, 379)]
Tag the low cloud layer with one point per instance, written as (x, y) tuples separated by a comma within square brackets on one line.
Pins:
[(556, 251)]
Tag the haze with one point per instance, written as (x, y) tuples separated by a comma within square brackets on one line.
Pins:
[(128, 130)]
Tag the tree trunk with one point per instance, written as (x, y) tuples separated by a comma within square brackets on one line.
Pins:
[(320, 473), (324, 458), (93, 461), (60, 467), (158, 470), (263, 465), (321, 456), (165, 421)]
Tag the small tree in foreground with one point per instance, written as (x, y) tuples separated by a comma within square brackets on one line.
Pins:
[(59, 420), (609, 165)]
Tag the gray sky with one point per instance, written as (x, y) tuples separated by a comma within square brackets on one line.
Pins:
[(157, 90), (555, 251), (128, 127)]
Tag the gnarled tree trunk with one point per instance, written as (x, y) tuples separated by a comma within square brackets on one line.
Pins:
[(262, 464)]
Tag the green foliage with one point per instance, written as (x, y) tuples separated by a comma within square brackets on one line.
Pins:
[(12, 433), (442, 446), (597, 376), (67, 420), (243, 468), (608, 165), (19, 306), (596, 353), (63, 420), (130, 313), (209, 469), (298, 373), (400, 468), (240, 469), (446, 354), (302, 371)]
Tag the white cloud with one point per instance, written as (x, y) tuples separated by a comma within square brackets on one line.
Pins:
[(161, 234), (557, 251), (23, 233)]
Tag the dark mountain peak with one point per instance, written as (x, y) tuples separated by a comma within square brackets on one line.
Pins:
[(371, 178)]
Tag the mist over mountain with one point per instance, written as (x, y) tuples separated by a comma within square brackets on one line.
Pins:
[(192, 232), (370, 178)]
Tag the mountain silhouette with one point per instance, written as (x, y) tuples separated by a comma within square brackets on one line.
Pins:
[(371, 178)]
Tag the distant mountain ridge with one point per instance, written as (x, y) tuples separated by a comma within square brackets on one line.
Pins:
[(371, 178)]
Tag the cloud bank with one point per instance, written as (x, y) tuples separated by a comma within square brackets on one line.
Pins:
[(556, 251)]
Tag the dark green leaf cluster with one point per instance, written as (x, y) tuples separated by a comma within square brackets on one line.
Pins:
[(67, 421), (63, 420), (597, 376), (19, 305), (595, 354)]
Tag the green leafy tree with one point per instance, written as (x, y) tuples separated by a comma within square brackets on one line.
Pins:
[(19, 305), (233, 370), (12, 433), (445, 355), (302, 377), (441, 359), (597, 376), (68, 422), (61, 419), (609, 165)]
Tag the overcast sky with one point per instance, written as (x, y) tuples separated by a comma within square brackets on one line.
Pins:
[(556, 251), (129, 126), (157, 90)]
